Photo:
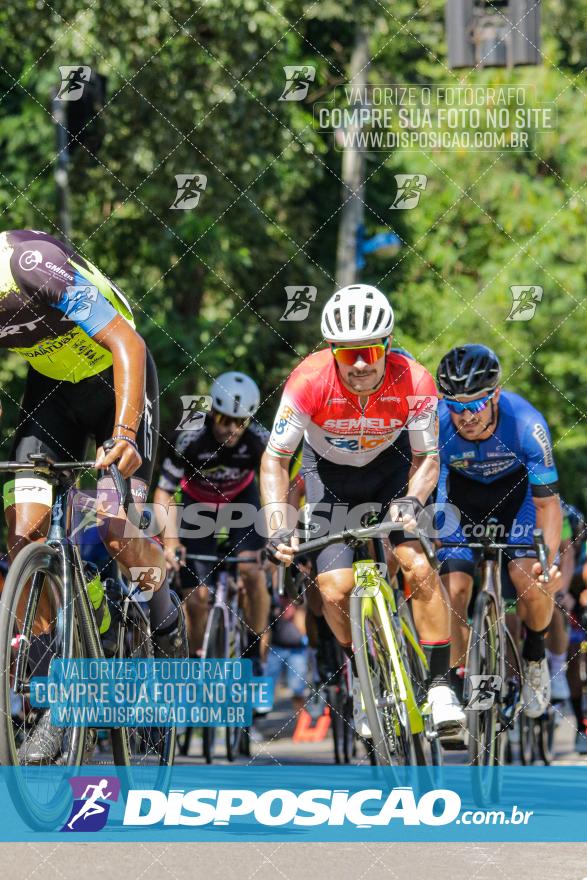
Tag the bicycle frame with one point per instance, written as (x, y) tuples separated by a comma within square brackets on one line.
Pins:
[(384, 600)]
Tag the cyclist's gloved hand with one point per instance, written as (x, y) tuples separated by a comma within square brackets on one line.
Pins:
[(282, 546), (406, 511)]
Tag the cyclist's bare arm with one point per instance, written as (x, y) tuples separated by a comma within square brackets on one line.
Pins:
[(424, 476), (129, 357), (168, 528), (549, 518), (274, 497)]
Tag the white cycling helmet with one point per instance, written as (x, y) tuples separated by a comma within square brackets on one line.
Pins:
[(357, 313), (235, 394)]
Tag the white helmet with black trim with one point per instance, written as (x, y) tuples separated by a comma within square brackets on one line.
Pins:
[(357, 313), (235, 394)]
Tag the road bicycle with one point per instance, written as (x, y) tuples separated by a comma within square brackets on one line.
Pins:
[(391, 664), (225, 637), (54, 569), (493, 680)]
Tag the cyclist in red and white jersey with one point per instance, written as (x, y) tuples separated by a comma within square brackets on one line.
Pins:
[(367, 417)]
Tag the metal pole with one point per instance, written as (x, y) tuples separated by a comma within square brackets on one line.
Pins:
[(353, 175), (62, 168)]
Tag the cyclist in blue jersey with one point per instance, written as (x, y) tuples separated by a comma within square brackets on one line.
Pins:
[(497, 465)]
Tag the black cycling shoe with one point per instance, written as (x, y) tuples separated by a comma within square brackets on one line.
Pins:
[(172, 645), (43, 746)]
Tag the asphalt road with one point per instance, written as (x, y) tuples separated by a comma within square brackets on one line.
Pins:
[(297, 861)]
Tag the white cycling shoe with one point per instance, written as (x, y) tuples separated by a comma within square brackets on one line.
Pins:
[(448, 716), (536, 689), (359, 714)]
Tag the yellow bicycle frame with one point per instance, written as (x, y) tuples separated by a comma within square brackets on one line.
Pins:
[(376, 591)]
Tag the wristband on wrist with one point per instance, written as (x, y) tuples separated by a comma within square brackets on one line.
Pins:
[(130, 440)]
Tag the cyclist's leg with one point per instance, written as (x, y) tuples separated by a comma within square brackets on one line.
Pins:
[(197, 584), (45, 425), (246, 542), (535, 609)]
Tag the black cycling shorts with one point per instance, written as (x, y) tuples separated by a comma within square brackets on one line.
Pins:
[(351, 491), (240, 540), (59, 418)]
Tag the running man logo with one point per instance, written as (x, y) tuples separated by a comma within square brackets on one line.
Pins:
[(195, 407), (90, 809), (367, 577), (422, 409), (409, 189), (73, 81), (299, 300), (189, 189), (525, 298), (80, 301), (145, 578), (297, 82), (484, 689)]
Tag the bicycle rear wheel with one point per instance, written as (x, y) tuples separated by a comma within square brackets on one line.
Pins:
[(36, 571), (386, 711)]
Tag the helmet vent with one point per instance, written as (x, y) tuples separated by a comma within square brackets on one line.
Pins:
[(367, 318), (379, 320), (352, 315), (338, 320)]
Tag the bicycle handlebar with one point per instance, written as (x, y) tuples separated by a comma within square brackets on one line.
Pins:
[(199, 557), (539, 546)]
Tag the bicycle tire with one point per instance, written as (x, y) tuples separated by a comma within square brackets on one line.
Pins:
[(484, 735), (41, 565), (141, 746), (216, 649), (527, 740), (387, 714), (546, 728), (234, 734)]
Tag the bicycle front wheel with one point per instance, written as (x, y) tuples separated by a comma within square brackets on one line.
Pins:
[(141, 746), (34, 577), (485, 741), (386, 711)]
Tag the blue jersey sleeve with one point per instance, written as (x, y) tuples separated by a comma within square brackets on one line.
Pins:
[(537, 446), (83, 304)]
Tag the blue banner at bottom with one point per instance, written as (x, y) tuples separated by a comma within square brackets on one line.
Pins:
[(296, 803)]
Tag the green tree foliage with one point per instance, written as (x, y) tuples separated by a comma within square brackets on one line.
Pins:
[(196, 87)]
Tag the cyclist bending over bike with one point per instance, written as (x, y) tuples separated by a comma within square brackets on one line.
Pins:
[(497, 465), (215, 465), (90, 375), (368, 419)]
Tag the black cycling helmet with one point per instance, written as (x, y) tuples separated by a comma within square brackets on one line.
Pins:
[(468, 370)]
